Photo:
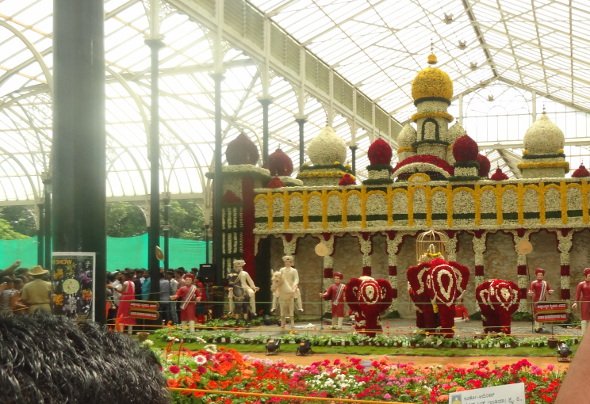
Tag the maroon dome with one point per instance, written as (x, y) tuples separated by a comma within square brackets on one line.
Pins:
[(380, 153), (484, 166), (498, 175), (241, 150), (465, 149), (280, 164), (581, 172)]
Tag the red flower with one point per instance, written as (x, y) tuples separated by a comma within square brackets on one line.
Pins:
[(347, 179), (379, 152), (275, 182), (174, 369), (465, 149)]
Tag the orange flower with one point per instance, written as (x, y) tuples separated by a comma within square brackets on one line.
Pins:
[(86, 294), (58, 300), (212, 385)]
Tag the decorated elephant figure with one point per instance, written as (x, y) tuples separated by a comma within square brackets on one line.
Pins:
[(498, 300), (440, 283), (417, 289), (368, 298)]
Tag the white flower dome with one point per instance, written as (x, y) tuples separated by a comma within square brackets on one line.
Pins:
[(406, 137), (327, 148), (543, 137), (455, 132)]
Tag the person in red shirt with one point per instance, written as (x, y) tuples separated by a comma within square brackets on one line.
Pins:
[(335, 293), (583, 296), (189, 295), (539, 289), (461, 313)]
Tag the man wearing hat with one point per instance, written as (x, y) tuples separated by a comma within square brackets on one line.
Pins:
[(37, 293), (539, 289), (335, 293), (583, 296)]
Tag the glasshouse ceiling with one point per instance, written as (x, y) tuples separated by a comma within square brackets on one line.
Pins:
[(349, 63)]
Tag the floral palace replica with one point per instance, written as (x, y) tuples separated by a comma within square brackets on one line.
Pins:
[(498, 228)]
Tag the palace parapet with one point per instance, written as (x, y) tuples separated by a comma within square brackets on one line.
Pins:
[(416, 205)]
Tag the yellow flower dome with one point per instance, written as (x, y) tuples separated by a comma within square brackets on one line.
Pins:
[(432, 83), (543, 137)]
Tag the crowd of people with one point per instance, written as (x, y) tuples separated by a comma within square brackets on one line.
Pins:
[(182, 297), (24, 290)]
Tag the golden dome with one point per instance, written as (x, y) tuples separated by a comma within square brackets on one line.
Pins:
[(432, 83)]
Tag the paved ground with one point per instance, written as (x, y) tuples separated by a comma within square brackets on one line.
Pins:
[(408, 326)]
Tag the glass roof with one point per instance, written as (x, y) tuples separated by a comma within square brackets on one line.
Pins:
[(508, 60)]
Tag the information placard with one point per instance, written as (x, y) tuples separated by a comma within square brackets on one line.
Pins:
[(505, 394), (551, 312)]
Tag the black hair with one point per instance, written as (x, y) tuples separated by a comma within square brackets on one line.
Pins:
[(51, 359)]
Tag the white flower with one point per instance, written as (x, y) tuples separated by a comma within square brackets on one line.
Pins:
[(200, 359), (211, 348), (565, 282)]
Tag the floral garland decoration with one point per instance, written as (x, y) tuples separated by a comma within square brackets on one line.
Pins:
[(328, 260), (451, 246), (366, 246), (290, 243), (479, 248), (403, 149), (564, 245), (432, 114), (394, 240), (545, 164), (425, 160)]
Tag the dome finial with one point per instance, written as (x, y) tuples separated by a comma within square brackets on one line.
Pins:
[(432, 57)]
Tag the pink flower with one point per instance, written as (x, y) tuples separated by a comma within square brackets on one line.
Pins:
[(174, 369)]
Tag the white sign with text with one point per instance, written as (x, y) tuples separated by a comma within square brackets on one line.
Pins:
[(506, 394)]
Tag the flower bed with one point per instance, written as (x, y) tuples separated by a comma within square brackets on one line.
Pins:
[(352, 378), (418, 340)]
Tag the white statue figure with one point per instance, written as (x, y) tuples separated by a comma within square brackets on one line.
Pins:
[(241, 284)]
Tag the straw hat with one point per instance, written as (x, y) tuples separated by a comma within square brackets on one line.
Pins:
[(38, 270)]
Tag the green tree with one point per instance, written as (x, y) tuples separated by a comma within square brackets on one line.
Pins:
[(20, 218), (185, 219), (7, 231), (124, 219)]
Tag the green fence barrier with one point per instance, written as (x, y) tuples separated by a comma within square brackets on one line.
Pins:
[(122, 252)]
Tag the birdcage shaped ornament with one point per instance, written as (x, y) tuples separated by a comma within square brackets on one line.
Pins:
[(430, 244)]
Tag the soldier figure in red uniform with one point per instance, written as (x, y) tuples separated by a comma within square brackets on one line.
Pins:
[(335, 293), (539, 290), (583, 296)]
